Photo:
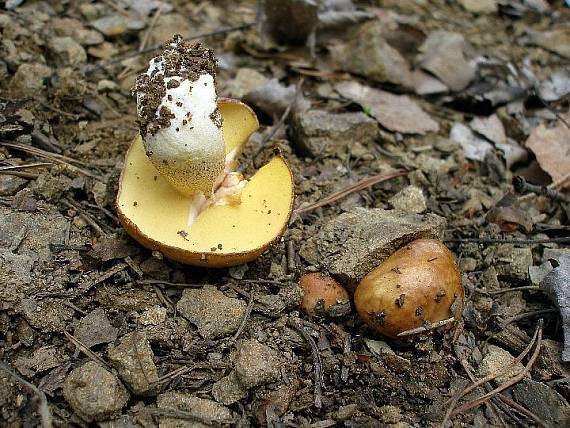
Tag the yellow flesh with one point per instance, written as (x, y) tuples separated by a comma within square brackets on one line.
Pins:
[(161, 213), (238, 124)]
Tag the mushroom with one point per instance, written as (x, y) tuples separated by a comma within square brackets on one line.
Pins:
[(417, 286), (323, 296), (178, 191)]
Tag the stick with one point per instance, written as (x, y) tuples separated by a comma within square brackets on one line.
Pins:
[(508, 383), (317, 364), (43, 408), (356, 187)]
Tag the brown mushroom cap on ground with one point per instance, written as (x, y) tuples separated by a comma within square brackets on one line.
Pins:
[(323, 295), (416, 286)]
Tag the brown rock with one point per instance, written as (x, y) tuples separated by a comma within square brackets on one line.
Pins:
[(94, 393)]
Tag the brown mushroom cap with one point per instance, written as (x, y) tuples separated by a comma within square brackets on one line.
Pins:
[(418, 284), (156, 215), (323, 296)]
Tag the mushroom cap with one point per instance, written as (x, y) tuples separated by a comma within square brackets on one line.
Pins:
[(156, 215), (323, 295), (419, 283)]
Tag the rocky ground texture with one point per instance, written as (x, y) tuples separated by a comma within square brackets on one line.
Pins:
[(461, 97)]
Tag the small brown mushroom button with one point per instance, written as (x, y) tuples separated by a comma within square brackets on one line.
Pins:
[(416, 286), (323, 296)]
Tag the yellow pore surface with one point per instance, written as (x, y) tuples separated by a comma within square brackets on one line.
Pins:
[(157, 214)]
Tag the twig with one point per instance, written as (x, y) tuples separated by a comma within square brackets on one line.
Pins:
[(155, 17), (168, 284), (24, 166), (522, 186), (491, 406), (26, 175), (264, 281), (427, 327), (86, 350), (527, 315), (561, 240), (508, 290), (64, 160), (356, 187), (153, 48), (522, 410), (85, 215), (246, 316), (87, 285), (453, 400), (317, 364), (508, 383), (43, 408)]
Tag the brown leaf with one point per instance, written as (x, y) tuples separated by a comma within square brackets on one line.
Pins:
[(111, 248), (397, 113), (509, 215), (551, 146)]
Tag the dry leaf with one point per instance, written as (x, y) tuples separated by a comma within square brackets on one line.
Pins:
[(551, 146), (397, 113), (555, 284), (111, 248), (509, 215)]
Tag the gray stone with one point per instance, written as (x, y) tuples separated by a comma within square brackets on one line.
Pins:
[(543, 401), (67, 51), (246, 80), (390, 414), (117, 25), (206, 412), (134, 360), (229, 389), (410, 199), (94, 393), (443, 56), (513, 262), (496, 360), (43, 359), (154, 315), (15, 268), (211, 311), (352, 244), (41, 229), (370, 55), (10, 184), (480, 6), (256, 364), (320, 133), (167, 25), (30, 78), (95, 328), (47, 315)]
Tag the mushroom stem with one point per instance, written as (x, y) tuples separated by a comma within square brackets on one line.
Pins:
[(226, 191)]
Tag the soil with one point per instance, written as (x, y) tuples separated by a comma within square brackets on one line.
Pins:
[(114, 335)]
